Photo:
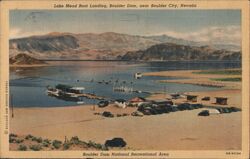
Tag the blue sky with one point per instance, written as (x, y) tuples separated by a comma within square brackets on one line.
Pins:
[(196, 24)]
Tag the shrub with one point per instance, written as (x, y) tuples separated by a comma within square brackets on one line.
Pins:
[(107, 114), (45, 144), (36, 147), (19, 141), (98, 146), (12, 135), (56, 144), (28, 137), (118, 115), (11, 140), (95, 145), (75, 140), (66, 146), (22, 148), (39, 140), (125, 114), (47, 141)]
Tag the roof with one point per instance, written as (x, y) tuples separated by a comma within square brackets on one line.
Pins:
[(136, 99)]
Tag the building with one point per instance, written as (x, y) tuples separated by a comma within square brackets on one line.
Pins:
[(137, 100), (121, 103)]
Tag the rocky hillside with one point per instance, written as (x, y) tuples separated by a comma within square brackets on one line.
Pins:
[(24, 59), (171, 51), (88, 46), (80, 46)]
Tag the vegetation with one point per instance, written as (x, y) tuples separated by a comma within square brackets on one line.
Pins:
[(12, 140), (56, 144), (221, 72), (66, 145), (47, 141), (95, 145), (45, 144), (75, 140), (28, 137), (19, 141), (227, 79), (37, 143), (22, 148), (12, 135), (36, 147), (39, 139)]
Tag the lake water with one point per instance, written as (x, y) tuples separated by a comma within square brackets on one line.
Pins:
[(28, 85)]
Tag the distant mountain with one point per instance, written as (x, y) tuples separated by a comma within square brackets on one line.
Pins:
[(168, 39), (24, 59), (171, 51), (80, 46), (90, 46)]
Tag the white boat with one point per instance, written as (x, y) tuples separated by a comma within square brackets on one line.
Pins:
[(80, 102), (65, 91), (54, 92), (123, 89), (138, 75)]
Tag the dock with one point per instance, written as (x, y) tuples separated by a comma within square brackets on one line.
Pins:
[(90, 96)]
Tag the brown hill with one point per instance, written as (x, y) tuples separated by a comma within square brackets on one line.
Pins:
[(170, 51), (24, 59)]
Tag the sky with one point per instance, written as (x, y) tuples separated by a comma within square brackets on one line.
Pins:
[(220, 26)]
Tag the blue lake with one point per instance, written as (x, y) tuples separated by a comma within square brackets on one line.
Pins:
[(28, 85)]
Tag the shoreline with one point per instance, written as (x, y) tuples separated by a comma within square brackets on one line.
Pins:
[(37, 65), (181, 130), (234, 96), (193, 77)]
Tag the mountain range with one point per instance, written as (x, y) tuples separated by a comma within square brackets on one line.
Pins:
[(114, 46), (172, 51)]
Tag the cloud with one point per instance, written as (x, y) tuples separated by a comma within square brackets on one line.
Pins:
[(213, 35), (19, 33)]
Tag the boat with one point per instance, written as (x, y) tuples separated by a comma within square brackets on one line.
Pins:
[(138, 75), (123, 89), (61, 90), (80, 102), (53, 91)]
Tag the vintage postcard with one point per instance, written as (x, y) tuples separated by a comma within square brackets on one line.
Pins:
[(124, 79)]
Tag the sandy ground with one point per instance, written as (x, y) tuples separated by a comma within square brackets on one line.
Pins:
[(182, 130), (198, 79)]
